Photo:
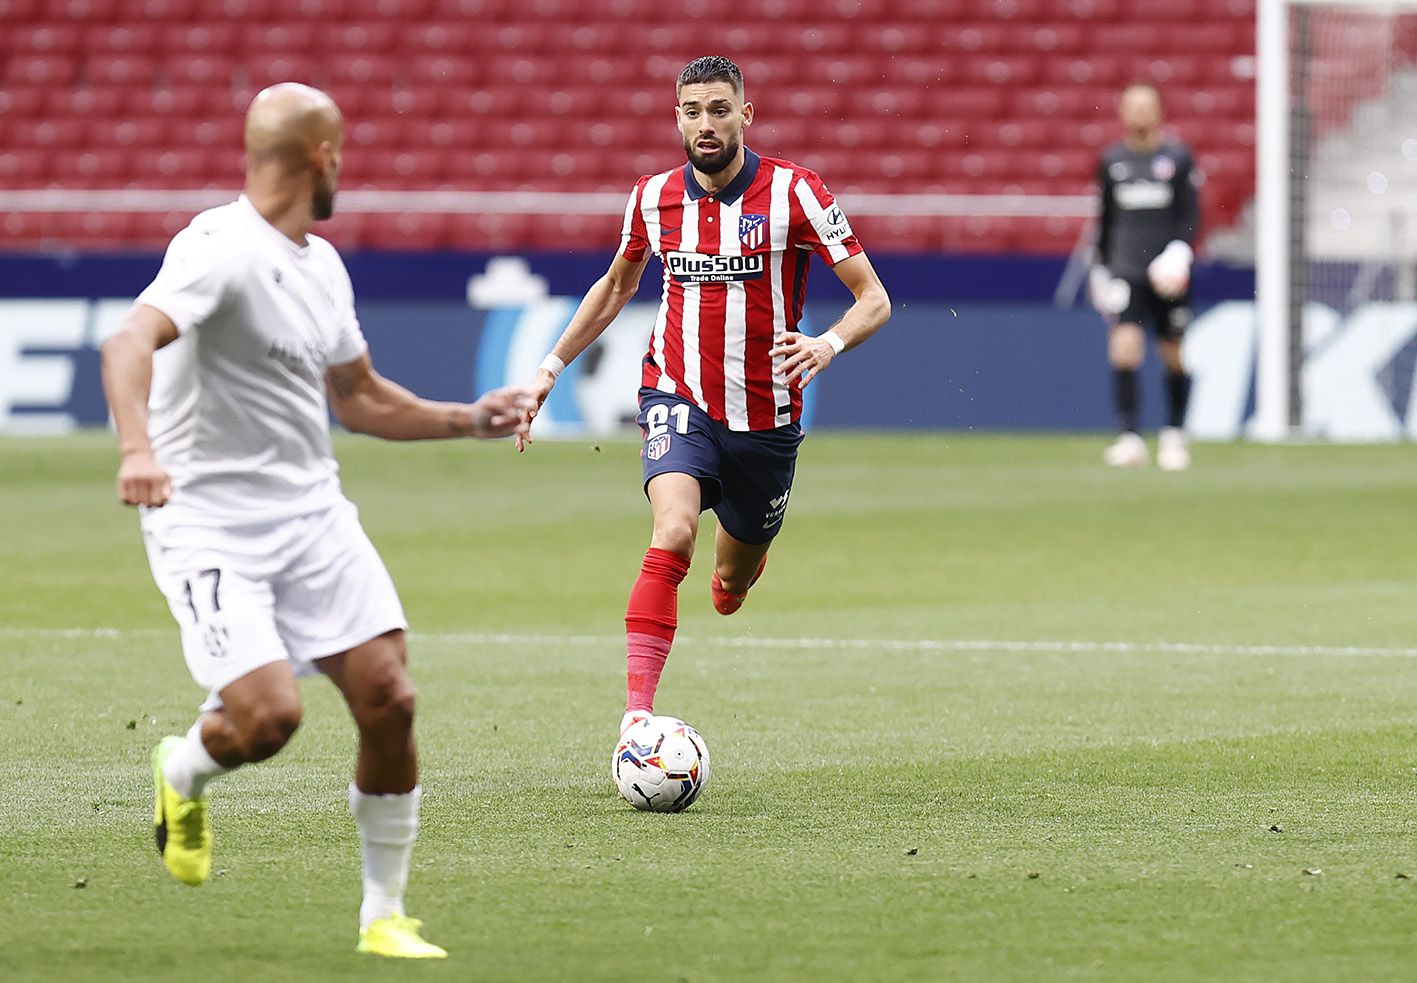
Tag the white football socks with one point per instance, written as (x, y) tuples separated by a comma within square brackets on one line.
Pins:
[(190, 767), (388, 825)]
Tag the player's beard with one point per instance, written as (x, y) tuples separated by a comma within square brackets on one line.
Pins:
[(711, 163), (322, 205)]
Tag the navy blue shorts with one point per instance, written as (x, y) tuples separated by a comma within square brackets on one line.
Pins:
[(745, 476)]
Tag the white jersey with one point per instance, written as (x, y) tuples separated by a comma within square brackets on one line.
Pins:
[(238, 414)]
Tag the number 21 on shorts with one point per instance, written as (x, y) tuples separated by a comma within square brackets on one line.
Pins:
[(657, 436)]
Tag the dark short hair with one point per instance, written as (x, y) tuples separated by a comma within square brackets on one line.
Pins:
[(711, 68)]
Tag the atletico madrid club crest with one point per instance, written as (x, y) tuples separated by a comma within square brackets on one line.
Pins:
[(751, 230)]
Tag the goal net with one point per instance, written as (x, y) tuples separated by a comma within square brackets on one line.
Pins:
[(1349, 239)]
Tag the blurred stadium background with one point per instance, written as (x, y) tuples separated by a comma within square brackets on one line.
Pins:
[(961, 136)]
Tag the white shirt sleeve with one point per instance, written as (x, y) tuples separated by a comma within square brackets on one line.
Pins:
[(193, 280), (349, 341)]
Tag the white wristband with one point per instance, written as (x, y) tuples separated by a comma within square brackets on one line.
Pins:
[(834, 339), (553, 364)]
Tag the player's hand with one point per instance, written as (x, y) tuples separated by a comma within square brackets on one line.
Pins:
[(142, 481), (538, 390), (803, 356), (1109, 294), (1170, 272), (503, 413)]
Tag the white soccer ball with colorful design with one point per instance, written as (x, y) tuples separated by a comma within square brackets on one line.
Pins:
[(661, 764)]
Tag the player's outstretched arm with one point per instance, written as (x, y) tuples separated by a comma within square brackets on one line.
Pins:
[(602, 303), (127, 366), (366, 402), (808, 356)]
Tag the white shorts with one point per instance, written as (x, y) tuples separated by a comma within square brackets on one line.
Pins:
[(297, 589)]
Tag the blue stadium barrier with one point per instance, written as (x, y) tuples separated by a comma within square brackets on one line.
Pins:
[(974, 342)]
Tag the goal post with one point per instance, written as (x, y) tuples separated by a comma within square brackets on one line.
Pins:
[(1335, 211)]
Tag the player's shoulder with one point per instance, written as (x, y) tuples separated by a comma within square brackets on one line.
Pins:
[(798, 170), (210, 240), (1115, 152), (1177, 150), (220, 221), (660, 179), (328, 259)]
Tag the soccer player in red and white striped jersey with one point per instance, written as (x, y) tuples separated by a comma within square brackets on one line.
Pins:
[(721, 392)]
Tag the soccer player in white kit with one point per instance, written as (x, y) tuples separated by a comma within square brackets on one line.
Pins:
[(220, 381)]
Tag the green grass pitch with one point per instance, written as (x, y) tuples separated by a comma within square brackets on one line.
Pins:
[(995, 712)]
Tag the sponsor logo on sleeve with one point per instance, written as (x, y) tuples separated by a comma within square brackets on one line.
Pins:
[(710, 268), (833, 226)]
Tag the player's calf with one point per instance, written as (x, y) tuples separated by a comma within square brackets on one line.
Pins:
[(726, 600)]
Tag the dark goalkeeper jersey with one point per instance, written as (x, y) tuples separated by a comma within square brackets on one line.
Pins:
[(1149, 198)]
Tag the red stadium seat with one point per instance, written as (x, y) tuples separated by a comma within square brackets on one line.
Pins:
[(147, 132), (21, 102), (409, 168), (25, 167), (199, 69), (170, 168), (122, 39), (93, 168), (395, 10), (1051, 39), (205, 37), (288, 38), (441, 70), (957, 96), (169, 11), (96, 229), (260, 71), (181, 103), (494, 102), (1093, 10), (47, 133), (43, 39), (363, 69), (368, 37), (23, 229), (82, 11), (34, 69), (973, 38), (19, 11), (995, 70), (405, 231)]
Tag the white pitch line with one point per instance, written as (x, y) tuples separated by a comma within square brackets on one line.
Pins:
[(816, 644)]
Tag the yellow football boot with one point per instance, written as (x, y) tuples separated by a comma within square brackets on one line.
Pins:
[(397, 937), (184, 839)]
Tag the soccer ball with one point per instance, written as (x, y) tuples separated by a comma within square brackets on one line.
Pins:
[(661, 764)]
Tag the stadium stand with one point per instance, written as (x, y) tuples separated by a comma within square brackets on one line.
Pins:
[(911, 96)]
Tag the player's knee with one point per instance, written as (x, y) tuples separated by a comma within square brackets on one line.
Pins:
[(1126, 349), (269, 729), (675, 534), (388, 705)]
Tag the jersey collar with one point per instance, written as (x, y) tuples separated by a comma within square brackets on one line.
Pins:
[(734, 191)]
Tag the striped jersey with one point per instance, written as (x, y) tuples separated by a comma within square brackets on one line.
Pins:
[(735, 273)]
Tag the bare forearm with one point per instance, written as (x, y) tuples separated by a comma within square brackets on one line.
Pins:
[(387, 410), (127, 367), (864, 318), (600, 306)]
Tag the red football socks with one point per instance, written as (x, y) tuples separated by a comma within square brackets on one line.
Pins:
[(650, 620)]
